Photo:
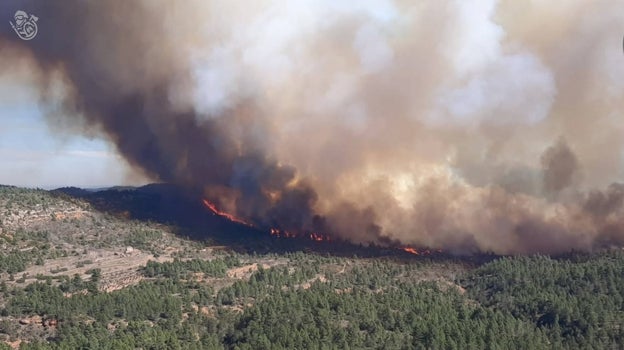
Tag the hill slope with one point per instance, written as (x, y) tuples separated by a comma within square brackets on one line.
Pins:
[(113, 269)]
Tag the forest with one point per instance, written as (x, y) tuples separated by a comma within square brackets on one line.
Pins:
[(325, 302)]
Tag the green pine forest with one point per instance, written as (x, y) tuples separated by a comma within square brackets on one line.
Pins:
[(324, 302)]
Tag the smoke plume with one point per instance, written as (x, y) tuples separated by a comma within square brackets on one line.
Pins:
[(459, 125)]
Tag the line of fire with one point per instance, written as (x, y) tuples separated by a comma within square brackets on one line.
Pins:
[(313, 236)]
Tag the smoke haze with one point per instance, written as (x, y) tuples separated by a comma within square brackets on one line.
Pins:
[(463, 125)]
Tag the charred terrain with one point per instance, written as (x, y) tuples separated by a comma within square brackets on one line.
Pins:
[(155, 268)]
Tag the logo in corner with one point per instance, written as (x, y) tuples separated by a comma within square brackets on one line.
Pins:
[(25, 25)]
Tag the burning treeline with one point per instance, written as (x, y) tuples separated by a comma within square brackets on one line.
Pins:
[(449, 124)]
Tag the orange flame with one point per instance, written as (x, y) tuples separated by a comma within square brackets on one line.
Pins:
[(214, 210), (410, 250), (319, 237), (281, 233), (414, 251), (314, 236)]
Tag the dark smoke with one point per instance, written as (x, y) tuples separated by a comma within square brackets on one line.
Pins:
[(106, 49), (360, 125), (559, 166)]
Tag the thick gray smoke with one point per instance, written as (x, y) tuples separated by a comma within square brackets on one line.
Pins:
[(559, 166), (451, 124)]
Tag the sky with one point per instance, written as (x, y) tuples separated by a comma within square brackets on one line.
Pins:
[(489, 124), (36, 153), (343, 68)]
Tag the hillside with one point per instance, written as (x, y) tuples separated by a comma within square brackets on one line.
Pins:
[(151, 268)]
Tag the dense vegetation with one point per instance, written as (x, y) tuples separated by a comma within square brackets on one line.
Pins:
[(578, 302), (317, 302)]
